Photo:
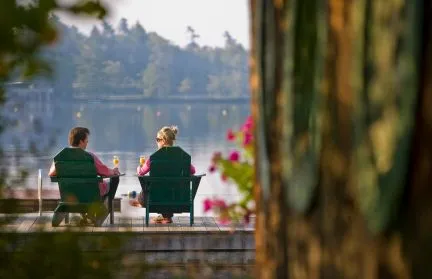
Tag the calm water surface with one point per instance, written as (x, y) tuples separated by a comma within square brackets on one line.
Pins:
[(128, 131)]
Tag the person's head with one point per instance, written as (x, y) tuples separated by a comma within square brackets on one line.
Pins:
[(78, 137), (166, 136)]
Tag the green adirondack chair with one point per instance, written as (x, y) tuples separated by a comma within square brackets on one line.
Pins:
[(170, 188), (79, 188)]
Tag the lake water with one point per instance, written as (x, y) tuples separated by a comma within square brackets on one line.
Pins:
[(126, 130)]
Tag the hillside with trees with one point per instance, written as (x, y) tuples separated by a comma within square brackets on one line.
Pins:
[(127, 61)]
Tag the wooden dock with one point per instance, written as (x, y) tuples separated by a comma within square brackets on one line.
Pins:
[(222, 248), (205, 235)]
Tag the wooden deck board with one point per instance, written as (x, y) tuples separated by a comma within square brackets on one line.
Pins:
[(24, 223), (175, 226), (137, 224), (11, 224), (124, 224), (210, 224), (204, 235)]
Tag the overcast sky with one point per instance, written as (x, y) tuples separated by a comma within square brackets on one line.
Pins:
[(169, 18)]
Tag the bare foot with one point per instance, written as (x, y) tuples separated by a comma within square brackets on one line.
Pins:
[(135, 203), (167, 220)]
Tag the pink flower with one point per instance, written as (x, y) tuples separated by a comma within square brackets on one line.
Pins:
[(247, 139), (208, 204), (219, 203), (230, 135), (247, 126), (212, 168), (223, 220), (234, 156)]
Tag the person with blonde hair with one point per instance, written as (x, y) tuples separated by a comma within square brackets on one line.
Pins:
[(164, 138)]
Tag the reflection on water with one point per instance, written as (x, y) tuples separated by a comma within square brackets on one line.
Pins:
[(129, 130)]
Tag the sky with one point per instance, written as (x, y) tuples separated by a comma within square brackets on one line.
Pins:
[(169, 18)]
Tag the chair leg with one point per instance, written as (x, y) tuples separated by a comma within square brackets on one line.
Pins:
[(191, 214), (147, 196), (111, 210), (67, 218), (58, 216), (191, 204), (101, 216)]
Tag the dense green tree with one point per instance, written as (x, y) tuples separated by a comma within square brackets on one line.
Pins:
[(123, 26), (131, 61), (185, 86)]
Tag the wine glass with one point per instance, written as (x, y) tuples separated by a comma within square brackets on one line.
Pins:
[(116, 161), (142, 160)]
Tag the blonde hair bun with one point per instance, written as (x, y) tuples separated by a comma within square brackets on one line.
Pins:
[(168, 134), (174, 129)]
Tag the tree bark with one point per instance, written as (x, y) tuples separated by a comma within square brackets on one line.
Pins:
[(339, 188)]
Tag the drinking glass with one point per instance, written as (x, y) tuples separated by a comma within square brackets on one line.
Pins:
[(116, 161), (142, 160)]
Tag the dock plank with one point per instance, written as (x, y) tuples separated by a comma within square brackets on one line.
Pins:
[(32, 223), (40, 224), (124, 224), (152, 227), (12, 223), (137, 224), (26, 224), (114, 227), (176, 225), (103, 227), (210, 224)]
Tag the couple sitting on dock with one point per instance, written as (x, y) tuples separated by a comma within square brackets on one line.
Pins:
[(79, 138)]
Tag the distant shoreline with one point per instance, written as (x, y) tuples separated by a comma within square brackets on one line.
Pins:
[(168, 100)]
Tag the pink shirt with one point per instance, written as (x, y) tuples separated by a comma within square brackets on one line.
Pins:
[(101, 170), (146, 168)]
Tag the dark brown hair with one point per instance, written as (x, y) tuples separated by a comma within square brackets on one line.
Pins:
[(77, 134)]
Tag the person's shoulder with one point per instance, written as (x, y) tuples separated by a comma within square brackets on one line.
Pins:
[(92, 154)]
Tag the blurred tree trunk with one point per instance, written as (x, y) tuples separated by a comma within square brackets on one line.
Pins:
[(342, 98)]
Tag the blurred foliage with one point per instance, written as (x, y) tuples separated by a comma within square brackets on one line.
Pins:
[(25, 28), (62, 257), (236, 167)]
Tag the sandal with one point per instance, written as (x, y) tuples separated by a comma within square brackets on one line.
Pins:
[(157, 220)]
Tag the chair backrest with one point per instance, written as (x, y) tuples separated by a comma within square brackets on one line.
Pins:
[(170, 162), (77, 176)]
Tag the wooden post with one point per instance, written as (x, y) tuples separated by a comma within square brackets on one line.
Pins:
[(40, 191)]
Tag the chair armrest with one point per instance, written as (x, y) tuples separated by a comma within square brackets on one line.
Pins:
[(147, 178), (199, 175), (56, 179), (110, 176)]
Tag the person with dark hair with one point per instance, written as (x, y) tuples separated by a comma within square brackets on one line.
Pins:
[(79, 138)]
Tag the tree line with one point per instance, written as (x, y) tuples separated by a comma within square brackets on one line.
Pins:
[(128, 60)]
